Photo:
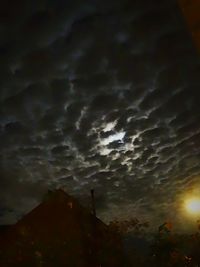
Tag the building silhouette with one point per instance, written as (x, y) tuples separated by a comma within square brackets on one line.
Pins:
[(60, 232)]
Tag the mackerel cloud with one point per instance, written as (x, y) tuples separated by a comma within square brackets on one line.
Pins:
[(98, 94)]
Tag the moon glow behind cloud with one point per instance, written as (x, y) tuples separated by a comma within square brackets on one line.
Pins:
[(98, 94)]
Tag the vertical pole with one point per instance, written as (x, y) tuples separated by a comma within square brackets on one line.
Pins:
[(93, 203), (94, 259)]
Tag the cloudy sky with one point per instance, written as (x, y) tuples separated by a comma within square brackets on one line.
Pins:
[(98, 94)]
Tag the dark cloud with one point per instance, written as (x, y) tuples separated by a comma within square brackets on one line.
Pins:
[(101, 95)]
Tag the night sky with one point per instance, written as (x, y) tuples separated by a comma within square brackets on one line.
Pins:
[(99, 94)]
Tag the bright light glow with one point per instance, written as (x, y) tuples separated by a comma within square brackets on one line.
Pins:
[(193, 206)]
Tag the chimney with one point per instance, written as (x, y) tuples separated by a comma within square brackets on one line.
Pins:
[(93, 202)]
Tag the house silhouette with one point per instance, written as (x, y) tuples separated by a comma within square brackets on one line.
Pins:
[(60, 232)]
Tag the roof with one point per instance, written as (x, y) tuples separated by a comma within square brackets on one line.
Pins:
[(61, 227)]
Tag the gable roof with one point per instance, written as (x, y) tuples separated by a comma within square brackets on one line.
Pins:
[(59, 205), (60, 226)]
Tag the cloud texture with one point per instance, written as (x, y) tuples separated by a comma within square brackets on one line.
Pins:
[(98, 94)]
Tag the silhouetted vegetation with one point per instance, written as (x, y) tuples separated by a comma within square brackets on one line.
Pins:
[(60, 232), (166, 248)]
